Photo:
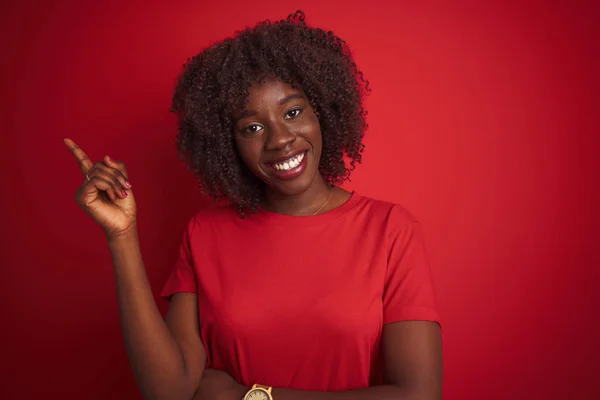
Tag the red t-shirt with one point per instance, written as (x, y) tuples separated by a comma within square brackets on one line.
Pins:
[(300, 302)]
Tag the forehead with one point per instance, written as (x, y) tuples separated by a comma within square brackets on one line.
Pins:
[(269, 91)]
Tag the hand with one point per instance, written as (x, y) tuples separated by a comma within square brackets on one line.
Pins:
[(219, 385), (106, 194)]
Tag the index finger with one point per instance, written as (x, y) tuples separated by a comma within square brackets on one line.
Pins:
[(85, 164)]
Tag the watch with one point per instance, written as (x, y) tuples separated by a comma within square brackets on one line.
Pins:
[(259, 392)]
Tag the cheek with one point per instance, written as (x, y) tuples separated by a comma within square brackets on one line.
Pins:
[(315, 133), (316, 125), (249, 151), (311, 131)]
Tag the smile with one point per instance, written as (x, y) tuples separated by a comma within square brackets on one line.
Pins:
[(290, 163), (289, 168)]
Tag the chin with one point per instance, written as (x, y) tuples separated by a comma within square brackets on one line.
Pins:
[(292, 187)]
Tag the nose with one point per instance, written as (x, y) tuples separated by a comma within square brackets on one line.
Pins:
[(278, 137)]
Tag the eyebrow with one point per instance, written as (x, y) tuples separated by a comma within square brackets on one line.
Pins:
[(249, 113), (290, 97)]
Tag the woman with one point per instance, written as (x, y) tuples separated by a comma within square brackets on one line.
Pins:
[(297, 289)]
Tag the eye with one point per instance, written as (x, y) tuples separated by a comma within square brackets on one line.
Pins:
[(293, 113), (252, 129)]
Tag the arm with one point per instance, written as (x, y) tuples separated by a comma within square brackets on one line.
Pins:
[(167, 356), (162, 360), (412, 353)]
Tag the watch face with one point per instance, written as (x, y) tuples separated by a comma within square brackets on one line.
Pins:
[(257, 394)]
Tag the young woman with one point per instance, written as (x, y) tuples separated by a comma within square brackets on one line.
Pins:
[(297, 289)]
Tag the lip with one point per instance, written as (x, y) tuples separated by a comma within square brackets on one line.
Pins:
[(285, 157), (290, 173)]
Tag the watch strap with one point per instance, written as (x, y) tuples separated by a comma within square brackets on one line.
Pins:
[(261, 388), (257, 386)]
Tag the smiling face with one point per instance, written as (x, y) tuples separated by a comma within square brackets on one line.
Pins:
[(279, 137)]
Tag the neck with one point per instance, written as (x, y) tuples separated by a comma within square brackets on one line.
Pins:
[(305, 203)]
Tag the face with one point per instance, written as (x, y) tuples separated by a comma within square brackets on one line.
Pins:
[(279, 137)]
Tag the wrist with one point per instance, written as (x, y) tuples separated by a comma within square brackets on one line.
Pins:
[(236, 392), (127, 235)]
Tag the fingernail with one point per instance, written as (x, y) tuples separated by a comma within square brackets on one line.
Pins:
[(109, 159), (127, 184), (124, 193)]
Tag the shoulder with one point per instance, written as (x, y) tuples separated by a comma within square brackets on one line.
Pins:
[(392, 213), (209, 217), (395, 222)]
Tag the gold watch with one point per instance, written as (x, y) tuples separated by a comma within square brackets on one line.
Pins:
[(259, 392)]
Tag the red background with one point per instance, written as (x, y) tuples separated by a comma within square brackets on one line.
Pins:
[(483, 122)]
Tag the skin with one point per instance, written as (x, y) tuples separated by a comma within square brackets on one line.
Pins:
[(279, 120), (167, 356)]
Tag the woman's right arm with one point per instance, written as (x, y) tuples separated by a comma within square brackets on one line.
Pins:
[(167, 356)]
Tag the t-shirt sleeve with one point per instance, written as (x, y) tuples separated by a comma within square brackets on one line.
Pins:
[(408, 291), (183, 275)]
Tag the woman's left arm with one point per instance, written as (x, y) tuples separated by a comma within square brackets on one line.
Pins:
[(412, 353)]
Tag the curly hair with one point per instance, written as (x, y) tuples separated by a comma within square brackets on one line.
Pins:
[(215, 83)]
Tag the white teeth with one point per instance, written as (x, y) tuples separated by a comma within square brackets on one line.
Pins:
[(289, 163)]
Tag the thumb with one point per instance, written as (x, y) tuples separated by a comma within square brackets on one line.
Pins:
[(120, 165)]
